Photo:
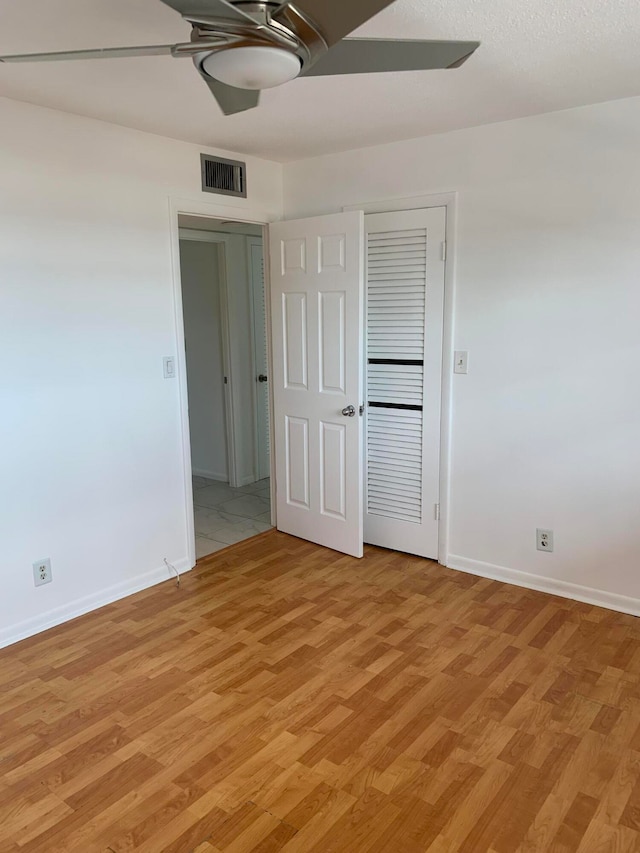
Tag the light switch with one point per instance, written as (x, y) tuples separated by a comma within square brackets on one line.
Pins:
[(169, 367), (461, 361)]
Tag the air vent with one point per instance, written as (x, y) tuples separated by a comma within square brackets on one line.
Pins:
[(227, 177)]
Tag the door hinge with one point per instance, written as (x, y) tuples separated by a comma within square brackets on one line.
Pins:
[(436, 512), (443, 250)]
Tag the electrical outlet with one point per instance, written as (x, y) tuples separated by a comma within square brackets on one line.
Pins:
[(544, 539), (42, 572)]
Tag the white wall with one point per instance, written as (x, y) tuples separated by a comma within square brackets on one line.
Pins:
[(200, 274), (546, 425), (91, 471)]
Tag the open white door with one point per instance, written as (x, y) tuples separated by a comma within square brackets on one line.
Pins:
[(317, 298)]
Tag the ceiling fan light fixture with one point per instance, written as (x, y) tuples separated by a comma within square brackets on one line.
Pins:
[(253, 67)]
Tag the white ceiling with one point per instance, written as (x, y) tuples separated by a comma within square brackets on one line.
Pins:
[(536, 56)]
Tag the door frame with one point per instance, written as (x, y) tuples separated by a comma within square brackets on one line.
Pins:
[(448, 200), (251, 242), (212, 210)]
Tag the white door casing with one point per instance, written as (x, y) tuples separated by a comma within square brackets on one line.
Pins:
[(405, 304), (317, 302)]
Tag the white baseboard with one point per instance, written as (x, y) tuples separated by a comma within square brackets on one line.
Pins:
[(599, 597), (247, 480), (80, 606), (210, 475)]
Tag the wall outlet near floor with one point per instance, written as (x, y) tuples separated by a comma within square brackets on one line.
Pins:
[(42, 572), (544, 539)]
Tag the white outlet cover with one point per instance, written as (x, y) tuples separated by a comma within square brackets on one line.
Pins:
[(544, 540), (42, 572)]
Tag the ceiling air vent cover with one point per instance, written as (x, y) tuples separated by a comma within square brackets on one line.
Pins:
[(227, 177)]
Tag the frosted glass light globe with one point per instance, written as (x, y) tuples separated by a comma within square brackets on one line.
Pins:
[(252, 67)]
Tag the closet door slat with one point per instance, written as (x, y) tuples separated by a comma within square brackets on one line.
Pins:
[(396, 310)]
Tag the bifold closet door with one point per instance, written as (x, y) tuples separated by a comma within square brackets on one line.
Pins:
[(404, 319)]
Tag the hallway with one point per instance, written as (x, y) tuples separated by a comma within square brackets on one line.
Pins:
[(224, 515)]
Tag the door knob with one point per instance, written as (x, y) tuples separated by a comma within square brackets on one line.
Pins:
[(263, 378), (349, 412)]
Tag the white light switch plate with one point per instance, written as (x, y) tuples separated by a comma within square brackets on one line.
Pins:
[(169, 367), (461, 361)]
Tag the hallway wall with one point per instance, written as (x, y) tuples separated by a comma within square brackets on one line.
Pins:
[(199, 266)]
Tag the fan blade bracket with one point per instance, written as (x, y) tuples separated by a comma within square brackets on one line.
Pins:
[(211, 28), (222, 16), (332, 19), (293, 20), (192, 48), (208, 45), (220, 10)]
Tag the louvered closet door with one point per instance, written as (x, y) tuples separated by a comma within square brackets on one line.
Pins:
[(405, 302)]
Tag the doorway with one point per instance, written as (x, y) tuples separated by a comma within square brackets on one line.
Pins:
[(225, 328), (314, 475)]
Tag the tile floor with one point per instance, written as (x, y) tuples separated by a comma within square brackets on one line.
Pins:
[(225, 516)]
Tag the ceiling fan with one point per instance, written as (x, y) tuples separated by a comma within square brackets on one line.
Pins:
[(240, 46)]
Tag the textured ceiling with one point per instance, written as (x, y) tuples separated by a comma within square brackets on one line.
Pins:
[(536, 56)]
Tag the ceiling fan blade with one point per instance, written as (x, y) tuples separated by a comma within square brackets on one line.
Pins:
[(95, 53), (336, 18), (196, 9), (230, 99), (364, 56)]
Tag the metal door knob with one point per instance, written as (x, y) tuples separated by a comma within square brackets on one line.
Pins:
[(263, 378), (349, 412)]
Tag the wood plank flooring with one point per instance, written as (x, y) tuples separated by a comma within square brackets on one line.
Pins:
[(287, 698)]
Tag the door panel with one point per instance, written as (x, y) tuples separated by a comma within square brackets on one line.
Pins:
[(294, 322), (332, 348), (405, 304), (333, 473), (297, 461), (317, 297)]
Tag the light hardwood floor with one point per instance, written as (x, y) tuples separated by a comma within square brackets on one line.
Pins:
[(288, 698)]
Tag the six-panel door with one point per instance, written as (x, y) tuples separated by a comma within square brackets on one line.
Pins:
[(317, 297)]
